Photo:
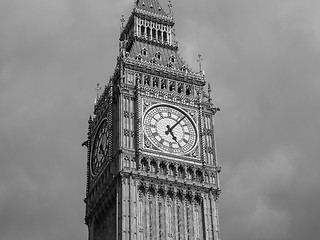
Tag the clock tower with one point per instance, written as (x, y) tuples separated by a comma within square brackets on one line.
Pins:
[(152, 170)]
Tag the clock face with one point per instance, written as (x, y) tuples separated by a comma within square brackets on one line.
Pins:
[(170, 129), (100, 149)]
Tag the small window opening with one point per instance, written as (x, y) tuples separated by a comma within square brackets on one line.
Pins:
[(146, 80), (172, 170), (144, 165), (139, 58), (158, 55), (138, 78), (199, 176), (153, 60), (148, 32), (184, 69), (159, 35), (165, 37), (170, 65), (180, 88), (143, 29), (190, 174), (162, 168), (153, 167), (181, 172), (163, 84), (155, 82), (154, 33), (188, 90), (144, 52), (172, 86)]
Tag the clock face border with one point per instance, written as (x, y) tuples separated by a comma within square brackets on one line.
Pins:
[(102, 129), (156, 142)]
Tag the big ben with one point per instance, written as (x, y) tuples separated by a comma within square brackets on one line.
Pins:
[(152, 171)]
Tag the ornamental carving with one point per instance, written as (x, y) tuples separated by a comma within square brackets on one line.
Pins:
[(209, 150)]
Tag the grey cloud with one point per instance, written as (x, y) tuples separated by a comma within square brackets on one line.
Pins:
[(261, 57)]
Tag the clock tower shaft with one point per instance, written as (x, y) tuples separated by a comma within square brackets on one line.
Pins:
[(152, 167)]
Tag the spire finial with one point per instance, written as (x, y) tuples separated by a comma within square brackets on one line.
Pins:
[(170, 8), (209, 92), (122, 20), (98, 88), (200, 59)]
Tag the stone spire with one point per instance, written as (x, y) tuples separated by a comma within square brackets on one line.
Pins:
[(151, 6)]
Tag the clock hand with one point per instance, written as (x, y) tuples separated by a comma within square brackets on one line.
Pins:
[(171, 128), (168, 131), (173, 137)]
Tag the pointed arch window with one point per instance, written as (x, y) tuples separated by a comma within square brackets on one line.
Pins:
[(148, 32), (139, 57), (143, 30), (159, 35), (180, 87), (188, 90), (172, 59), (153, 167), (170, 65), (165, 37), (158, 55), (146, 80), (172, 86), (190, 174), (172, 171), (154, 33), (163, 169), (144, 52), (156, 82), (153, 60), (184, 69), (163, 84), (181, 172), (199, 176)]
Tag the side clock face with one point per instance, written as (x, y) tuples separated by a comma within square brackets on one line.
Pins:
[(100, 149), (170, 129)]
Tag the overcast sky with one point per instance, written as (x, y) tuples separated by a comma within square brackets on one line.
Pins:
[(262, 58)]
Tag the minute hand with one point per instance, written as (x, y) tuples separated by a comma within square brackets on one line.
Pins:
[(170, 130)]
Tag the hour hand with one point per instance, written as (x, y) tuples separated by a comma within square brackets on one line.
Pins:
[(171, 133), (173, 137), (177, 123), (168, 131)]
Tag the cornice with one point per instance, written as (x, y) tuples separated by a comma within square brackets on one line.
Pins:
[(159, 18), (151, 42), (162, 71)]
